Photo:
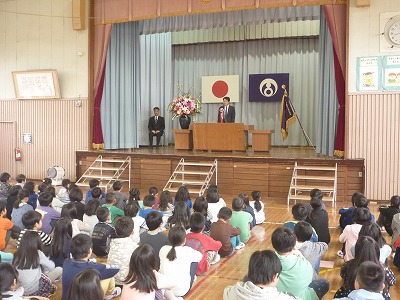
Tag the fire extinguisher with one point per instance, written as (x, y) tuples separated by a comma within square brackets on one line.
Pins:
[(17, 154)]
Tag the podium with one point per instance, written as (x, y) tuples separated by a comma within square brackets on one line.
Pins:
[(261, 140), (220, 136), (183, 139)]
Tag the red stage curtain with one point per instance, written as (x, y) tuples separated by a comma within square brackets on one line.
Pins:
[(336, 19), (101, 40)]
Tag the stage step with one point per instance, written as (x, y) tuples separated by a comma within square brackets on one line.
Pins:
[(295, 189), (322, 168), (202, 177), (96, 169), (314, 177), (191, 172)]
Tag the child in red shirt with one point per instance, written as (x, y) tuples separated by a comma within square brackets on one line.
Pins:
[(202, 243)]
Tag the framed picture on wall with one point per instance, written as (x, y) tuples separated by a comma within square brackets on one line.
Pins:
[(36, 84), (369, 73), (391, 73)]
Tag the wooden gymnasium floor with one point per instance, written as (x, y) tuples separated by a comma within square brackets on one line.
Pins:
[(230, 270)]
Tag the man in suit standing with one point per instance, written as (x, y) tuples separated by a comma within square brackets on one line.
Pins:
[(226, 113), (156, 127)]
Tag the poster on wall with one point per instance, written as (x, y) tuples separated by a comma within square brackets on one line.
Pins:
[(391, 73), (368, 73)]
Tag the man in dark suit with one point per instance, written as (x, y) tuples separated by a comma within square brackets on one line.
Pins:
[(156, 127), (226, 113)]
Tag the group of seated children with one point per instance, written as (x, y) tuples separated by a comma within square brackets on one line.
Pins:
[(57, 242)]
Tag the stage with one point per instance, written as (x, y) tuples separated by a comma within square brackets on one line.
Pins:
[(238, 172)]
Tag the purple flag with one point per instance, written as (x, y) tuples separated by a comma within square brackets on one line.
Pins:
[(267, 87), (287, 115)]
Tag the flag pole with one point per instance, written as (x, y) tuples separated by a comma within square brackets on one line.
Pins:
[(308, 140)]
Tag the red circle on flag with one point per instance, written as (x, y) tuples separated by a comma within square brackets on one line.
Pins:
[(220, 89)]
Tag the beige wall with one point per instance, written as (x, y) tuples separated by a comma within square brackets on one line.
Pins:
[(38, 35), (373, 118)]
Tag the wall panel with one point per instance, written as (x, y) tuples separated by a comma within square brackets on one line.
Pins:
[(58, 129), (374, 134)]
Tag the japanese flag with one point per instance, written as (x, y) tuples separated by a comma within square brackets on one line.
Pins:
[(214, 88)]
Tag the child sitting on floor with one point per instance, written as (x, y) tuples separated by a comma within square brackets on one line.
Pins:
[(139, 224), (369, 282), (262, 279), (215, 203), (312, 251), (81, 250), (179, 262), (148, 203), (300, 213), (121, 248), (165, 205), (153, 236), (258, 207), (63, 193), (180, 216), (50, 215), (241, 219), (94, 183), (86, 285), (120, 197), (110, 204), (224, 232), (102, 233), (206, 245), (346, 214), (182, 195), (5, 226), (319, 220), (248, 208), (33, 222), (143, 281), (21, 206), (201, 205), (297, 272)]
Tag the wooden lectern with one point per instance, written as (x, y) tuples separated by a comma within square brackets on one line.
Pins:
[(220, 136), (261, 140), (183, 139)]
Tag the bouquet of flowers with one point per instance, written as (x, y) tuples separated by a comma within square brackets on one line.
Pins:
[(184, 105)]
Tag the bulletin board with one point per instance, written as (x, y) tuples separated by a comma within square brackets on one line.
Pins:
[(36, 84)]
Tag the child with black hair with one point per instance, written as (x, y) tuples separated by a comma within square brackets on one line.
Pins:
[(134, 195), (102, 233), (60, 246), (201, 205), (366, 249), (121, 248), (120, 197), (50, 215), (86, 285), (98, 195), (32, 198), (300, 213), (165, 205), (139, 224), (94, 183), (154, 191), (63, 193), (76, 197), (5, 186), (228, 235), (143, 281), (6, 226), (387, 213), (206, 245), (21, 179), (179, 262), (319, 220), (215, 202), (358, 200), (153, 236), (36, 272), (350, 233), (248, 208), (70, 213), (369, 282), (297, 272), (89, 216), (81, 251), (110, 204), (183, 195), (56, 203), (9, 285), (241, 219), (11, 199), (258, 207), (312, 251), (21, 206), (261, 280), (32, 221), (148, 202), (180, 216)]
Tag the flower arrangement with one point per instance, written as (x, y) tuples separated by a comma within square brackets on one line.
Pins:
[(184, 105)]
